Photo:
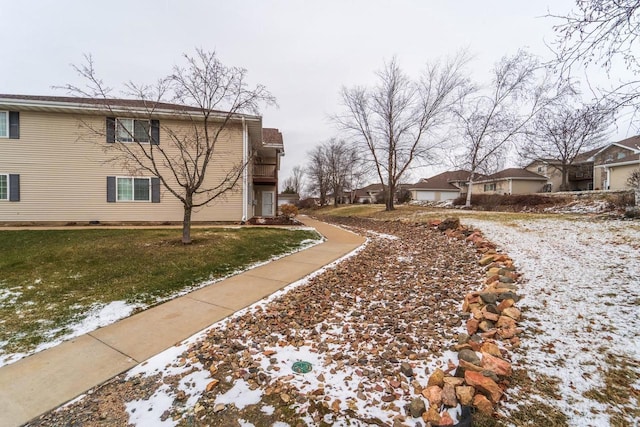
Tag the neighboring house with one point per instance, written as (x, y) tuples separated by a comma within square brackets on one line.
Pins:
[(368, 194), (580, 173), (288, 199), (445, 186), (510, 181), (615, 162), (52, 168)]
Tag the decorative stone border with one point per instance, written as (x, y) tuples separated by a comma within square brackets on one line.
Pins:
[(483, 370)]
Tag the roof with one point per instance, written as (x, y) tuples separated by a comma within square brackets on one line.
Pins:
[(82, 103), (442, 181), (516, 173), (272, 137), (633, 143)]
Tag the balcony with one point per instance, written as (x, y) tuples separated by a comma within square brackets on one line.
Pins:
[(265, 173)]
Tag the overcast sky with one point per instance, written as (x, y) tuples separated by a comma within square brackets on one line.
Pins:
[(303, 51)]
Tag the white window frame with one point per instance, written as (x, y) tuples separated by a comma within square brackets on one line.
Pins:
[(133, 194), (6, 114), (133, 134), (6, 175), (490, 187)]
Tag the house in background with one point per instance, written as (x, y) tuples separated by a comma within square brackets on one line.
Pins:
[(288, 199), (445, 186), (53, 170), (510, 181), (580, 173), (614, 163)]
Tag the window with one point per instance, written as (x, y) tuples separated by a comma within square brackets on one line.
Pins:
[(133, 189), (621, 155), (10, 187), (4, 187), (132, 130), (4, 124), (490, 187), (10, 124)]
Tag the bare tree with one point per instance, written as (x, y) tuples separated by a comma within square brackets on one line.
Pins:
[(397, 121), (341, 161), (499, 113), (318, 173), (207, 96), (560, 133), (295, 182), (334, 165), (598, 33)]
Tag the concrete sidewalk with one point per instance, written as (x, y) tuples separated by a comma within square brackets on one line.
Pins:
[(46, 380)]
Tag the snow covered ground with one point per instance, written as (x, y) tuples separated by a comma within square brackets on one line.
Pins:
[(581, 288)]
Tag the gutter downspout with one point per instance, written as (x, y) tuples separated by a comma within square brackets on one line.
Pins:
[(245, 172)]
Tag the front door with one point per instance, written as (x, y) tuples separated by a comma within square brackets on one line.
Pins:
[(267, 203)]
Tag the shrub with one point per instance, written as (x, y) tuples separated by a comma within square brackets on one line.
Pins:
[(308, 203), (289, 210)]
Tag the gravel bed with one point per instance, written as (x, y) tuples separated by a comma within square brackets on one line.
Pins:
[(361, 324)]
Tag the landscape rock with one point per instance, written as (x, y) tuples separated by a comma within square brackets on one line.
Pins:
[(436, 378), (433, 394), (406, 369), (483, 384), (470, 356), (417, 407), (465, 393), (449, 395), (483, 404), (432, 415), (496, 364)]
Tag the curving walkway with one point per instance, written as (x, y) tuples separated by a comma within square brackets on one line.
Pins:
[(48, 379)]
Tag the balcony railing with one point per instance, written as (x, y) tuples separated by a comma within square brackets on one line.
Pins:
[(264, 170)]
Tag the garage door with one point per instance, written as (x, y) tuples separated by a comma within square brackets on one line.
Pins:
[(426, 196)]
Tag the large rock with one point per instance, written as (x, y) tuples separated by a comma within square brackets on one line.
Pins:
[(465, 393), (496, 364), (489, 297), (432, 415), (504, 322), (505, 304), (472, 326), (433, 394), (484, 384), (449, 395), (445, 419), (417, 407), (470, 356), (449, 224), (437, 378), (491, 348), (512, 312), (406, 369), (483, 404)]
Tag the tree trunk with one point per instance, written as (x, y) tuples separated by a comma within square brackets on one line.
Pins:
[(389, 202), (468, 201), (186, 225), (565, 179)]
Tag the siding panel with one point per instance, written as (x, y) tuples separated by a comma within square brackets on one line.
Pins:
[(63, 168)]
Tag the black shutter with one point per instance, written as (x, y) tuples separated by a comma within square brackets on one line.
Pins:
[(14, 125), (111, 130), (111, 189), (14, 188), (155, 190), (155, 132)]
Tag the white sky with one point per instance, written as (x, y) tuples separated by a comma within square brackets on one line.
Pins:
[(303, 51)]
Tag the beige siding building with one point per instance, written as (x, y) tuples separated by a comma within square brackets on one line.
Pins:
[(510, 181), (615, 163), (59, 162)]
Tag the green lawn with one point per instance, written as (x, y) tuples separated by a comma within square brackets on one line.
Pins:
[(49, 278)]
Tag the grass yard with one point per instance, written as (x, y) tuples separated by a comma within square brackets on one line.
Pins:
[(51, 278)]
